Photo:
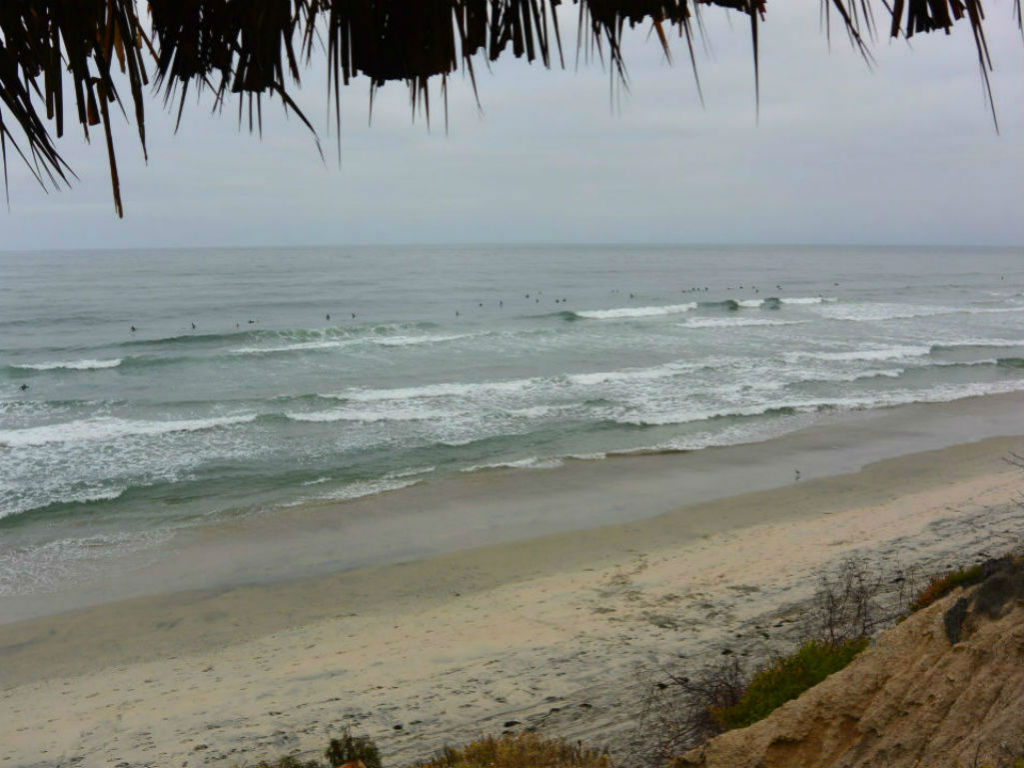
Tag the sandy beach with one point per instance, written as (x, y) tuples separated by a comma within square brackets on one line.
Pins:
[(565, 420), (546, 632)]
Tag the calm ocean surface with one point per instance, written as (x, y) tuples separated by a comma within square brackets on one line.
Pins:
[(437, 360)]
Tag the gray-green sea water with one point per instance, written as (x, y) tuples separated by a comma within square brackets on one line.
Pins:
[(260, 379)]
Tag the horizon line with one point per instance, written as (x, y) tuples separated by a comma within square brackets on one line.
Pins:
[(515, 244)]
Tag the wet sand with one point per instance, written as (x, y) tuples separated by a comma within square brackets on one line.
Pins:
[(546, 631)]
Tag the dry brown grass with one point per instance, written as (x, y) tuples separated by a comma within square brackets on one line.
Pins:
[(524, 750), (943, 584)]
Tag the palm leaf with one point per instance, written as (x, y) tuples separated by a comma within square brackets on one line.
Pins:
[(252, 49)]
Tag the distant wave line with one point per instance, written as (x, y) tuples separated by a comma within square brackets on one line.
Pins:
[(289, 334), (72, 365), (109, 428), (515, 386), (384, 341), (620, 313), (883, 399)]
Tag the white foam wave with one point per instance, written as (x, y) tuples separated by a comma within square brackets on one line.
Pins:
[(867, 312), (734, 322), (407, 341), (957, 363), (511, 387), (300, 346), (881, 373), (878, 312), (369, 416), (109, 428), (92, 495), (958, 392), (384, 341), (809, 300), (84, 496), (400, 473), (794, 300), (531, 412), (688, 415), (667, 370), (533, 462), (456, 442), (361, 488), (626, 312), (72, 365), (884, 353), (883, 399), (958, 343), (733, 435), (449, 389), (888, 373), (992, 310)]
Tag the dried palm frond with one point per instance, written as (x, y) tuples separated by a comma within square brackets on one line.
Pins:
[(259, 47)]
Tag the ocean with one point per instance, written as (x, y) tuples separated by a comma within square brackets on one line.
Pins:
[(148, 392)]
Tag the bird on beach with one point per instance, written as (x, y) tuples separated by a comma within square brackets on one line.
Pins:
[(796, 475)]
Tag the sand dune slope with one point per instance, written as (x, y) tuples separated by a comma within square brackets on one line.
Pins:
[(914, 698)]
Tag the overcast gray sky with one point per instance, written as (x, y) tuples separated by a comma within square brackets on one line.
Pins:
[(905, 153)]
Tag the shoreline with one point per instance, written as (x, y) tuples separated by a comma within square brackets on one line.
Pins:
[(495, 506), (545, 631)]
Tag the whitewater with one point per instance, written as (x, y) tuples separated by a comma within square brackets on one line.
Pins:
[(264, 379)]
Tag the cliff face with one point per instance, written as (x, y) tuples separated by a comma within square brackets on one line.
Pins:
[(944, 687)]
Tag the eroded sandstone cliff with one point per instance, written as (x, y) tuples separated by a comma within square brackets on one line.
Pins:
[(944, 687)]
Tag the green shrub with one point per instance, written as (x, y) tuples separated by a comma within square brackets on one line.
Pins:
[(786, 679), (940, 586), (525, 750), (349, 748)]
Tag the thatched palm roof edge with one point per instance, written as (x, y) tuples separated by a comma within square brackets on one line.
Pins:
[(257, 48)]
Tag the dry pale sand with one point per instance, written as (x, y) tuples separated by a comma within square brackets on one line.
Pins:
[(546, 633)]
